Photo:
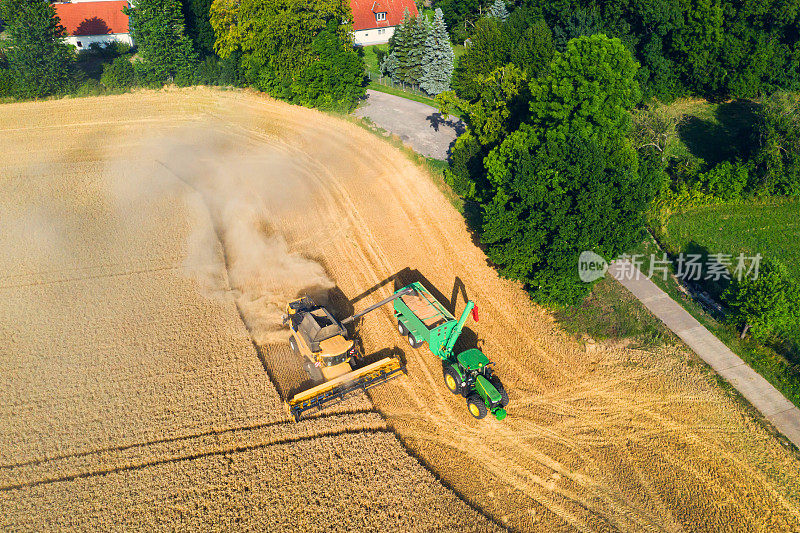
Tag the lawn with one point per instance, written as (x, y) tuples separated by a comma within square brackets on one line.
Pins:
[(771, 229), (713, 132), (371, 58)]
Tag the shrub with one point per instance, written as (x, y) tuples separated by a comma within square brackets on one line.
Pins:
[(88, 87), (777, 158), (7, 87), (726, 180), (118, 74), (466, 165), (208, 71), (767, 305)]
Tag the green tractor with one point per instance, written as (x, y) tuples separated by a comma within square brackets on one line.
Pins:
[(422, 318), (470, 375)]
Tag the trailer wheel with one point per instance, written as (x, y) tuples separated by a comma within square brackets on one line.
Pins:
[(293, 344), (476, 406), (452, 379), (412, 340), (502, 390), (401, 328)]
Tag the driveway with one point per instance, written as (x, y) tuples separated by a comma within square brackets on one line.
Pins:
[(418, 125)]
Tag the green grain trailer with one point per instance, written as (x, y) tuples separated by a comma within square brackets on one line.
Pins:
[(422, 318)]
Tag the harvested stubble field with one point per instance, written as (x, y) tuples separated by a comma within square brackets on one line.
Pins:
[(149, 242)]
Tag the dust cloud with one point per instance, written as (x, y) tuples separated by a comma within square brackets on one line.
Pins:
[(245, 189)]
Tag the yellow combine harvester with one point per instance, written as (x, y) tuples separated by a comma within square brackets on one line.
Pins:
[(329, 355)]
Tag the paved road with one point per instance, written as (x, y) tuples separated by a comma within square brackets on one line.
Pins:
[(758, 391), (418, 125)]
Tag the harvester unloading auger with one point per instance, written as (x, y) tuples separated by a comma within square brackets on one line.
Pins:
[(323, 342)]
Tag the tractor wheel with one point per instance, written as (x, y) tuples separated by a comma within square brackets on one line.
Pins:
[(452, 379), (502, 390), (402, 329), (293, 344), (412, 340), (476, 406)]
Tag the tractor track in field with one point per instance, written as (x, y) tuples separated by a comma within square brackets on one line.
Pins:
[(601, 504), (217, 451), (616, 439), (621, 514)]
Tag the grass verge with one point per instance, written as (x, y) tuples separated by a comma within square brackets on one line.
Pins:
[(769, 227), (773, 366), (400, 92), (611, 312)]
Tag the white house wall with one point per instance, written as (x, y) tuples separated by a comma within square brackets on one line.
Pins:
[(370, 37), (87, 40)]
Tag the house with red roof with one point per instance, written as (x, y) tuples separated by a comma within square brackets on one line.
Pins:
[(100, 22), (374, 21)]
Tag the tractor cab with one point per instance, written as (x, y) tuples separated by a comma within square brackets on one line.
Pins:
[(474, 361)]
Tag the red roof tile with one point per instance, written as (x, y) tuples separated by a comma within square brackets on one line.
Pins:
[(364, 12), (93, 18)]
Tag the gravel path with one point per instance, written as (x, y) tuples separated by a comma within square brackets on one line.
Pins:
[(758, 391), (419, 125)]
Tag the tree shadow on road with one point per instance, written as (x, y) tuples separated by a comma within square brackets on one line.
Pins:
[(437, 119)]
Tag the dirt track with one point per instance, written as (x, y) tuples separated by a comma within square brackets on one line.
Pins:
[(128, 352)]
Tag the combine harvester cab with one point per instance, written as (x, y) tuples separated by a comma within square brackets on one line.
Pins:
[(328, 356), (422, 318)]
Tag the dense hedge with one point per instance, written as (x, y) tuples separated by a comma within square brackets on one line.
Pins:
[(710, 48)]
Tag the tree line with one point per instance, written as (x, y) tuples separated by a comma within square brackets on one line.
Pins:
[(297, 50), (420, 54), (567, 131), (709, 48)]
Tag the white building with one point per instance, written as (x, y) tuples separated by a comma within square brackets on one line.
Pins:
[(374, 21), (89, 22)]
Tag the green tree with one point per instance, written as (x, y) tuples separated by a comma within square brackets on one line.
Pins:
[(413, 66), (396, 63), (489, 49), (534, 48), (498, 10), (165, 51), (590, 89), (766, 305), (524, 40), (37, 56), (498, 111), (712, 48), (578, 22), (458, 16), (554, 200), (777, 156), (333, 80), (568, 180), (197, 14), (437, 67), (278, 43)]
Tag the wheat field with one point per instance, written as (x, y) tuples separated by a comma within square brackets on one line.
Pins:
[(149, 242)]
